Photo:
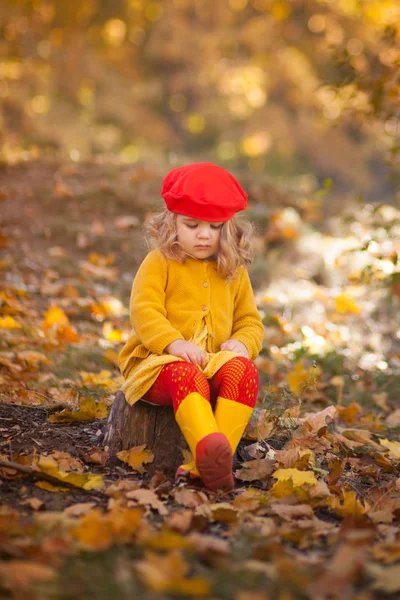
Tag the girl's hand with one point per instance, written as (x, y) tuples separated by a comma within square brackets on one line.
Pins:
[(235, 346), (188, 351)]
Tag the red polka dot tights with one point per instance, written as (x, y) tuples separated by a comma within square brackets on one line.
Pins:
[(236, 380)]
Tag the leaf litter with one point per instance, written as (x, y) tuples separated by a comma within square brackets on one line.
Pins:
[(315, 512)]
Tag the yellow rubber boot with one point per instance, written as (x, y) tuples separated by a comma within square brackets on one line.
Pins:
[(190, 469), (232, 418), (209, 447)]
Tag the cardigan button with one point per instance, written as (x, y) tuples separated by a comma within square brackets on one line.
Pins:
[(212, 334), (205, 284), (204, 307)]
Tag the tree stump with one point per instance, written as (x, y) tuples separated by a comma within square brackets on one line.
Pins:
[(142, 423)]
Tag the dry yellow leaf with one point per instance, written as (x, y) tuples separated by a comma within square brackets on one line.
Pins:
[(351, 506), (89, 410), (302, 377), (224, 512), (297, 477), (167, 540), (169, 573), (49, 465), (9, 323), (97, 530), (136, 457), (54, 316), (32, 358), (394, 448), (345, 304), (103, 379)]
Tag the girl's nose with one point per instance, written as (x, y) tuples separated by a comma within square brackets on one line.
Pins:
[(204, 233)]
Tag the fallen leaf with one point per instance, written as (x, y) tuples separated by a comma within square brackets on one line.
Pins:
[(351, 506), (77, 510), (180, 520), (386, 579), (20, 575), (32, 358), (223, 512), (9, 323), (34, 503), (103, 379), (255, 470), (302, 377), (98, 530), (136, 457), (204, 544), (350, 414), (189, 498), (167, 540), (289, 511), (394, 448), (169, 573), (297, 477), (148, 498), (393, 420), (345, 304), (89, 409)]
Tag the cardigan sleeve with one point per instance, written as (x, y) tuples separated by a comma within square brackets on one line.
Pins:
[(147, 304), (247, 323)]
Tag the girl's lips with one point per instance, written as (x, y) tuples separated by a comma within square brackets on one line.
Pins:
[(202, 246)]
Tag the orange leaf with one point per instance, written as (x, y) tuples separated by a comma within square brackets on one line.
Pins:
[(136, 457)]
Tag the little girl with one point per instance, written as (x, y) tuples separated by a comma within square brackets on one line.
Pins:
[(196, 325)]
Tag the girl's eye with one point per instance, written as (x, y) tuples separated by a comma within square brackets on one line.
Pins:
[(216, 226), (191, 226)]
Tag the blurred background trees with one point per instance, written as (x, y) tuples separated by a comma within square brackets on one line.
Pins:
[(302, 91)]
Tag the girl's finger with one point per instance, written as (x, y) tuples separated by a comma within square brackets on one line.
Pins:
[(192, 358)]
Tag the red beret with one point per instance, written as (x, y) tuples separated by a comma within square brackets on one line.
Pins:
[(203, 191)]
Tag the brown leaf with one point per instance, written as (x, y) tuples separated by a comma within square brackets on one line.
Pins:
[(77, 510), (316, 423), (255, 470), (180, 520), (20, 575), (189, 498), (350, 414), (169, 573), (289, 511), (386, 579), (393, 420), (204, 544), (147, 498), (248, 500), (34, 503), (97, 456)]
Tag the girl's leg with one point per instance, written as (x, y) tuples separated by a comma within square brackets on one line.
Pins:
[(185, 387), (175, 381), (236, 386)]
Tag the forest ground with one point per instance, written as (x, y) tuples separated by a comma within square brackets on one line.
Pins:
[(316, 508)]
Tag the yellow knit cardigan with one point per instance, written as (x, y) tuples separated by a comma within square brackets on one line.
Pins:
[(169, 300)]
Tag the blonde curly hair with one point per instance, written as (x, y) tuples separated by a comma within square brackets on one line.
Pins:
[(234, 249)]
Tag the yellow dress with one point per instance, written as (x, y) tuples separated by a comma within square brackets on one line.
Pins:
[(140, 379)]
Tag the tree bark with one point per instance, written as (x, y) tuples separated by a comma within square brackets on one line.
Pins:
[(142, 423)]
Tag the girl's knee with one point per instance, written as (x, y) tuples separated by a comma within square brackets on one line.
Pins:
[(187, 378), (246, 367)]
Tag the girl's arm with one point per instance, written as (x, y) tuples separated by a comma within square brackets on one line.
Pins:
[(147, 304), (247, 324)]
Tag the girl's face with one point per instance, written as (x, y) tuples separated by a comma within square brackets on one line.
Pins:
[(199, 239)]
